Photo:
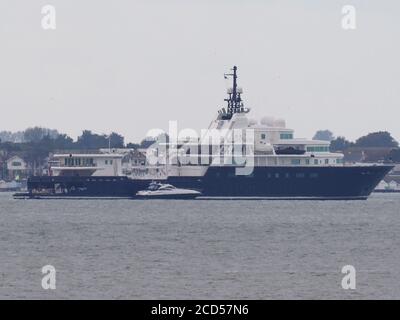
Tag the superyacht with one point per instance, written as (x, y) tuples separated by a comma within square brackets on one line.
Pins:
[(273, 164)]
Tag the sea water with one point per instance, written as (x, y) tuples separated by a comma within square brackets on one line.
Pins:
[(199, 249)]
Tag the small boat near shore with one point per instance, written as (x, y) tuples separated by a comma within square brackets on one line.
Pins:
[(158, 190), (11, 186), (391, 185), (386, 191)]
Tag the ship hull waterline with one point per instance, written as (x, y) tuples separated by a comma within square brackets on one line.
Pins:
[(291, 182)]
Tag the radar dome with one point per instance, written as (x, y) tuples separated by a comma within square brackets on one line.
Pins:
[(280, 123), (252, 122), (267, 121)]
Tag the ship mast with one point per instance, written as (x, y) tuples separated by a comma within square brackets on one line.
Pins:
[(234, 100)]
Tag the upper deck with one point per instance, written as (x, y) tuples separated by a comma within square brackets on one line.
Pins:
[(86, 164)]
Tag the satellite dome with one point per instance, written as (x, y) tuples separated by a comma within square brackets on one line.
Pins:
[(267, 121), (252, 122), (280, 123)]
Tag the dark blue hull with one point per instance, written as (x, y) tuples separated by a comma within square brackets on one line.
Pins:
[(295, 182), (81, 186), (352, 182)]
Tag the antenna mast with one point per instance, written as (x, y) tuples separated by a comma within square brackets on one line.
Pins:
[(235, 104)]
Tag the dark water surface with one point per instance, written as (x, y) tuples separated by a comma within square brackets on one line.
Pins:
[(200, 249)]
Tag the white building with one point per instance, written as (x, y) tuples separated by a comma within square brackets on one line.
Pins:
[(16, 167)]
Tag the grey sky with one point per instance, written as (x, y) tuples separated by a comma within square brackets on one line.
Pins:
[(129, 66)]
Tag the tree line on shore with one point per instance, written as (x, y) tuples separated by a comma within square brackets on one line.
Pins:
[(36, 143), (380, 139), (51, 140)]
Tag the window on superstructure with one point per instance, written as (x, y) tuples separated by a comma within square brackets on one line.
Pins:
[(263, 136), (295, 161), (285, 136), (326, 161), (317, 149), (307, 161), (315, 161)]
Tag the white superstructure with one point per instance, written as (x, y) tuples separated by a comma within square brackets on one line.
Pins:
[(272, 144), (86, 164)]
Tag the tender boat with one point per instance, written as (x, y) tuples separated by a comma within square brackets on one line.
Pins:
[(166, 191)]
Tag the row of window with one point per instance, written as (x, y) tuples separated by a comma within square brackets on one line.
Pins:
[(278, 175), (318, 149), (85, 162), (316, 161), (285, 136), (73, 162), (108, 180), (287, 175), (262, 161)]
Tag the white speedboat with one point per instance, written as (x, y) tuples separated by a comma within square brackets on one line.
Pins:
[(166, 191)]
